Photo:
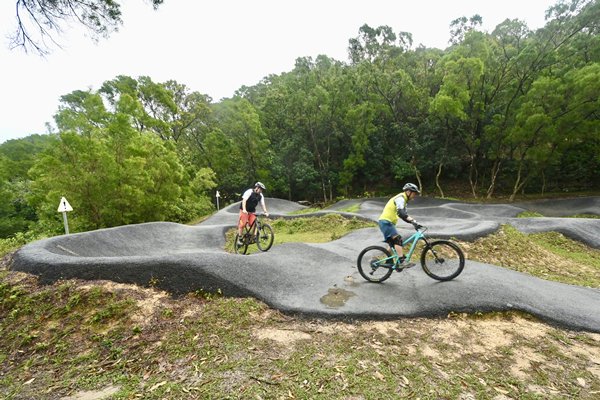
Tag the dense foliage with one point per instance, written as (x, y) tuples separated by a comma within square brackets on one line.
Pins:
[(506, 112)]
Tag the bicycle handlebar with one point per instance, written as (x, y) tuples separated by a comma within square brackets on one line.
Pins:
[(420, 228)]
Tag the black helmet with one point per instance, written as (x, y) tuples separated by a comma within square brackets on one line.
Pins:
[(260, 185), (412, 187)]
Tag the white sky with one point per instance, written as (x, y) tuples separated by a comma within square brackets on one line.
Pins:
[(215, 47)]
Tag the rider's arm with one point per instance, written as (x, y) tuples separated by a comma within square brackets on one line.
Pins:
[(404, 215), (401, 210), (244, 206), (262, 204)]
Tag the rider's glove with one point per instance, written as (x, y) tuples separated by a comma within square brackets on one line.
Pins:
[(416, 224)]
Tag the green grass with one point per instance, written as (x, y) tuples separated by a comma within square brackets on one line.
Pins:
[(548, 255), (529, 214), (240, 348), (13, 243), (535, 214), (306, 230), (307, 210), (354, 208), (351, 209), (316, 230), (69, 337), (568, 249), (592, 216)]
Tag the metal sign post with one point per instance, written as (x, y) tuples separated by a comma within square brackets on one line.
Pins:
[(64, 207), (217, 196)]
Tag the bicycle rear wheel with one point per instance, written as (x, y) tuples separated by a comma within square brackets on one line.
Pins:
[(240, 248), (264, 237), (375, 264), (442, 260)]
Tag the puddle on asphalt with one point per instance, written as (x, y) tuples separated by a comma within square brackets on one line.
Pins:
[(336, 297)]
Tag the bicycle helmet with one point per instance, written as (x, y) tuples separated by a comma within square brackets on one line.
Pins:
[(412, 187), (260, 185)]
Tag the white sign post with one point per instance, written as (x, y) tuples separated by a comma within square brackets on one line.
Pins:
[(64, 207), (217, 196)]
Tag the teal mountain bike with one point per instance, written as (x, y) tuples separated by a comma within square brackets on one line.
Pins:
[(441, 259)]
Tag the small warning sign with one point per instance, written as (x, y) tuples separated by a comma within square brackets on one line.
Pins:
[(64, 205)]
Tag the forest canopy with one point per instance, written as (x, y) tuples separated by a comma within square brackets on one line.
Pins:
[(502, 113)]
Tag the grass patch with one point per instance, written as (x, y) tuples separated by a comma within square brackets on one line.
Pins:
[(307, 210), (592, 216), (13, 243), (354, 208), (221, 347), (535, 214), (316, 229), (570, 250), (529, 214), (306, 230), (548, 255)]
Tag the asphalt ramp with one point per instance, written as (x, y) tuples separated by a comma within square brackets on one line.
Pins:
[(321, 280)]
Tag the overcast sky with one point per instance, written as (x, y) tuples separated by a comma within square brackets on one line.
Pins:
[(215, 47)]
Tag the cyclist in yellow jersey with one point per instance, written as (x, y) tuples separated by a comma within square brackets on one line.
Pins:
[(396, 207)]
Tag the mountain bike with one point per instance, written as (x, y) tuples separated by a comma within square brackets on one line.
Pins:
[(440, 259), (258, 232)]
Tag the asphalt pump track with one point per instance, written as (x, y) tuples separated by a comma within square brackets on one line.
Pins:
[(321, 280)]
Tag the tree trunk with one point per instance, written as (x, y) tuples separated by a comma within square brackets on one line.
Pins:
[(518, 183), (437, 179), (472, 182), (495, 170), (543, 182), (418, 175), (320, 163)]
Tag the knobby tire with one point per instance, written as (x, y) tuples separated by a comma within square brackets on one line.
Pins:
[(365, 264), (442, 260), (264, 237), (240, 249)]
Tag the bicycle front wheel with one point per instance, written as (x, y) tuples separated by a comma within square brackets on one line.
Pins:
[(442, 260), (240, 248), (264, 237), (375, 264)]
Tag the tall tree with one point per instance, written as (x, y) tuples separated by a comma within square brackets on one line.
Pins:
[(40, 21), (239, 147), (17, 156), (114, 173)]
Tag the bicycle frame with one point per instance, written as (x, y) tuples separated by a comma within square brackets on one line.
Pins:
[(441, 259), (251, 231), (412, 240), (254, 227), (257, 232)]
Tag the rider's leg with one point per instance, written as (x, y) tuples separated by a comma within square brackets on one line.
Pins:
[(251, 219), (243, 220), (397, 240), (391, 235)]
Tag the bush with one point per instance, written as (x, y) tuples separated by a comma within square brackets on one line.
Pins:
[(18, 240)]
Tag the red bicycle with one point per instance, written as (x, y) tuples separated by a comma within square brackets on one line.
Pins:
[(259, 233)]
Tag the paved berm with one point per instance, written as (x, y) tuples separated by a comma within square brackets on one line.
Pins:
[(321, 280)]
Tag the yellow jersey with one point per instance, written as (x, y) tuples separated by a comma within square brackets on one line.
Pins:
[(398, 202)]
